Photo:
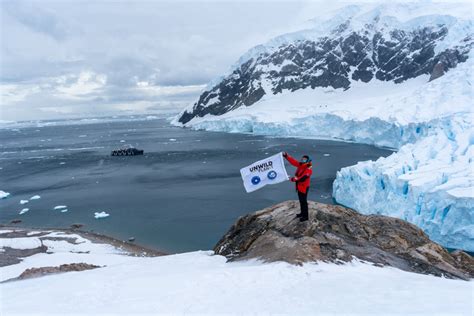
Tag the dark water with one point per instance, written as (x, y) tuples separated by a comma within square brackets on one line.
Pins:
[(182, 195)]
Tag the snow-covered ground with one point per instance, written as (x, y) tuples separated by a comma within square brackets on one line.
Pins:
[(59, 252), (203, 283)]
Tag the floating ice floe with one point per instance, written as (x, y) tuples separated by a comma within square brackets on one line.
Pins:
[(98, 215), (327, 155), (3, 194), (172, 139), (64, 210), (59, 207), (23, 201), (35, 197), (23, 211)]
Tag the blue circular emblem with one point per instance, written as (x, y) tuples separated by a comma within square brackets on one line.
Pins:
[(255, 180), (271, 175)]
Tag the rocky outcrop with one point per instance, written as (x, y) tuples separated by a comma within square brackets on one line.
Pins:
[(68, 267), (10, 256), (338, 234)]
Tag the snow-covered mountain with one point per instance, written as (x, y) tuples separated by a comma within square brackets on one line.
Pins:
[(353, 46), (396, 75)]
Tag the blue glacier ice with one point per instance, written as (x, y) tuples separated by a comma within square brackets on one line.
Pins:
[(429, 183)]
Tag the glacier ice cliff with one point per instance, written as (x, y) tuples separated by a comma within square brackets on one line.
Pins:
[(429, 183)]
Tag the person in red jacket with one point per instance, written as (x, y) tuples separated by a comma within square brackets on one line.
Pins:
[(302, 179)]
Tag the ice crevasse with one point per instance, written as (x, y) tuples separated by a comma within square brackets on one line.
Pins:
[(429, 183)]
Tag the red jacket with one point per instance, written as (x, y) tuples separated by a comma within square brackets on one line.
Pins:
[(302, 175)]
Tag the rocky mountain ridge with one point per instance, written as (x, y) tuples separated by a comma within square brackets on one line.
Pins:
[(379, 50)]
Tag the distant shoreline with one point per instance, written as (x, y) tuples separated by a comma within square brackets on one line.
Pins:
[(130, 247)]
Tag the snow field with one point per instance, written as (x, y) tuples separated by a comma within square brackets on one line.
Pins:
[(199, 282)]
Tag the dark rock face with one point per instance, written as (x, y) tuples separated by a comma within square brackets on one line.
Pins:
[(338, 234), (332, 61)]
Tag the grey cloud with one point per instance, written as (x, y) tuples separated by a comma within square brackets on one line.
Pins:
[(36, 18), (162, 43)]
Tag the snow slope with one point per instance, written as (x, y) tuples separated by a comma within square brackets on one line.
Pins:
[(203, 283)]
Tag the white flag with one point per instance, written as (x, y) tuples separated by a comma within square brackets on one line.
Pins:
[(267, 171)]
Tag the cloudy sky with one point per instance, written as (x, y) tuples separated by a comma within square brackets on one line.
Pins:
[(93, 58)]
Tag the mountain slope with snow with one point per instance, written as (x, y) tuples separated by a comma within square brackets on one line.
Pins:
[(396, 75), (372, 46)]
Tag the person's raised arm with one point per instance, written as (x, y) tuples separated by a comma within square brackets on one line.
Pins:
[(291, 160)]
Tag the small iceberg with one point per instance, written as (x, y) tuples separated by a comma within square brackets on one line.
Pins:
[(98, 215), (23, 211), (59, 207), (35, 197), (3, 194), (172, 139), (23, 201), (64, 210)]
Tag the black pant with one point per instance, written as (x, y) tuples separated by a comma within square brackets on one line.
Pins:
[(303, 197)]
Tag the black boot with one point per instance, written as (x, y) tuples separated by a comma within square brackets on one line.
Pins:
[(303, 219), (299, 215)]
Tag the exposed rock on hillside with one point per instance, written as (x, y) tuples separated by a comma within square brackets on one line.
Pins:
[(338, 234)]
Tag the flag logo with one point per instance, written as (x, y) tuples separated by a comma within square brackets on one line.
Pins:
[(255, 180), (272, 175)]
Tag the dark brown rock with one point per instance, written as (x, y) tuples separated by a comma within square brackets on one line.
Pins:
[(15, 221), (36, 272), (338, 234), (11, 256)]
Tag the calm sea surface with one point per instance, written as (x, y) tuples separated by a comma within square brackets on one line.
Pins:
[(182, 195)]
